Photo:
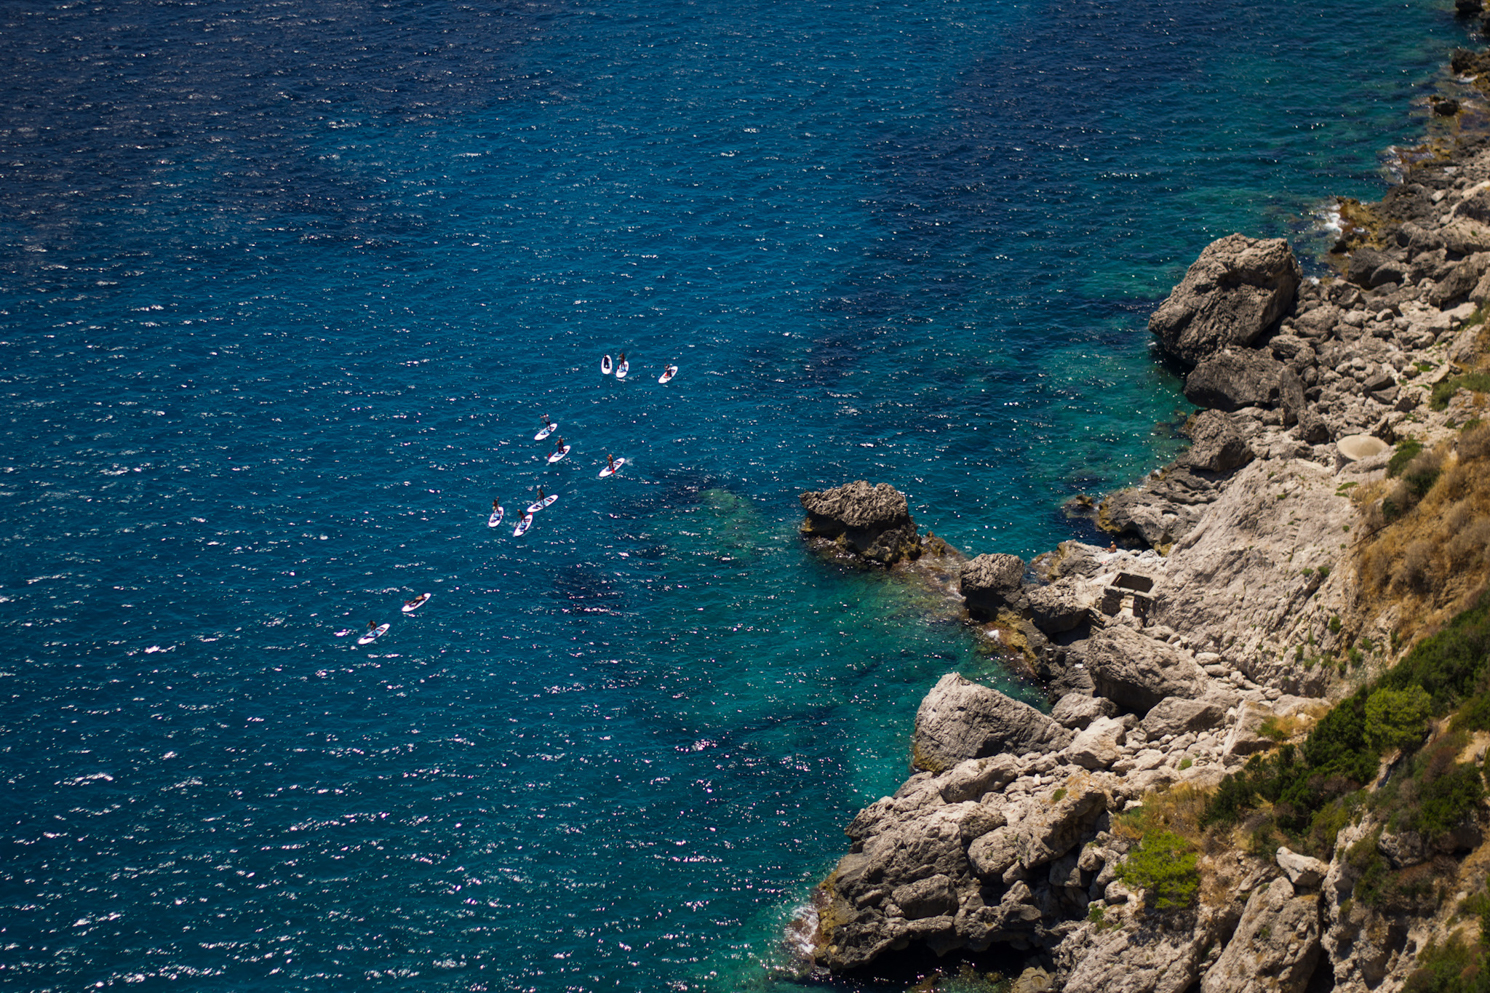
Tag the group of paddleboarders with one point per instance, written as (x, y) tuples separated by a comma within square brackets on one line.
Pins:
[(621, 367), (561, 449), (375, 630)]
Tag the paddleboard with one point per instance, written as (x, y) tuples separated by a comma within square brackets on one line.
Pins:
[(522, 526), (611, 470), (622, 370), (605, 366), (417, 602), (373, 635), (496, 517), (668, 374), (556, 456), (548, 429), (534, 508)]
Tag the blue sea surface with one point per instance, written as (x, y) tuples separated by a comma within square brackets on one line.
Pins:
[(284, 292)]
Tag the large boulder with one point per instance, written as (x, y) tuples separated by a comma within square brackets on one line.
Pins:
[(1076, 710), (1059, 607), (867, 522), (1370, 268), (990, 583), (960, 720), (1275, 947), (1177, 715), (1097, 747), (1303, 871), (1215, 443), (1133, 959), (1136, 673), (1234, 378), (1160, 511), (1238, 289), (1461, 280)]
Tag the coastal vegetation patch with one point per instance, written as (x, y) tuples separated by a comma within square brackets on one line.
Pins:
[(1309, 792)]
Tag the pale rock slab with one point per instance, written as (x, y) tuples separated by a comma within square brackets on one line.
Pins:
[(1275, 948)]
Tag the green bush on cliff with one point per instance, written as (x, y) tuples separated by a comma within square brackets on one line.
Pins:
[(1163, 866), (1449, 800), (1444, 391), (1451, 665), (1407, 450), (1397, 718), (1313, 791), (1456, 966)]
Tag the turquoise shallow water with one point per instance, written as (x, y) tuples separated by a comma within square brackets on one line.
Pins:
[(285, 292)]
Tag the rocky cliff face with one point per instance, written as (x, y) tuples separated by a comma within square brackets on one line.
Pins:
[(1175, 661)]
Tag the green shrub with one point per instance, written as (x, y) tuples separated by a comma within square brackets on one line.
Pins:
[(1397, 718), (1478, 907), (1444, 392), (1273, 729), (1163, 866), (1453, 967), (1407, 450), (1328, 823), (1474, 715), (1451, 663), (1444, 803), (1421, 473), (1315, 789)]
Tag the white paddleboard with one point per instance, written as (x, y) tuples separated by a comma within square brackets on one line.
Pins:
[(611, 470), (556, 456), (668, 374), (522, 526), (496, 517), (534, 508), (605, 366), (548, 429), (373, 635), (417, 602), (622, 370)]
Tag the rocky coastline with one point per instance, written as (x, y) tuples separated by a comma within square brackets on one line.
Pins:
[(1252, 592)]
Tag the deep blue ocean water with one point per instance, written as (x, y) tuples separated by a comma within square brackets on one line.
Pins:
[(284, 291)]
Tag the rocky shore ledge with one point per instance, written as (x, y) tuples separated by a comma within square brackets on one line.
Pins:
[(1254, 591)]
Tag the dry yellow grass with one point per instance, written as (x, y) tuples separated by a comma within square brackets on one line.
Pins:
[(1178, 808), (1427, 557)]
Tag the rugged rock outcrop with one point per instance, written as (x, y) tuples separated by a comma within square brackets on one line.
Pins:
[(1232, 294), (1275, 947), (990, 583), (960, 720), (1136, 672), (1234, 378), (869, 523), (1215, 444)]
